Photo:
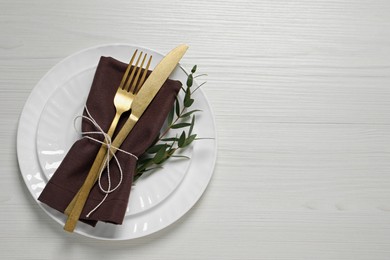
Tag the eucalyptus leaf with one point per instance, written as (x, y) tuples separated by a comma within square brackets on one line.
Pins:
[(145, 160), (189, 140), (194, 69), (190, 113), (187, 95), (189, 102), (180, 125), (155, 148), (145, 164), (177, 107), (170, 116), (170, 139), (160, 155), (153, 168), (192, 125), (163, 159), (190, 80), (171, 151), (181, 156), (182, 139)]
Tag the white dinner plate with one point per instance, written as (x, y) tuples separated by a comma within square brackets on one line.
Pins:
[(184, 195), (58, 130)]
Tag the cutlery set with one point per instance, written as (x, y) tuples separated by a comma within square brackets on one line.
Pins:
[(134, 94)]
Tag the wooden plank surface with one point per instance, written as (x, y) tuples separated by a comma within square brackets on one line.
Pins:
[(300, 91)]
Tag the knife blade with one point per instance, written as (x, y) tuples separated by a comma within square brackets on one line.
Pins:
[(142, 100)]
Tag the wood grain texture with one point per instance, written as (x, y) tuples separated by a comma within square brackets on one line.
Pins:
[(300, 91)]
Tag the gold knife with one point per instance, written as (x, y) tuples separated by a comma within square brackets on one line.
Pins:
[(146, 94)]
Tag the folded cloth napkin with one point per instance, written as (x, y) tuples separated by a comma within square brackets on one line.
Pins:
[(70, 175)]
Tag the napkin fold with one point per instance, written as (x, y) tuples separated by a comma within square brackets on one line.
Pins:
[(73, 170)]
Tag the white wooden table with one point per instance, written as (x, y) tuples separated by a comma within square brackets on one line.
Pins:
[(300, 91)]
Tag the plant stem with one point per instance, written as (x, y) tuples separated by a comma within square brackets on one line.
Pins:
[(169, 127)]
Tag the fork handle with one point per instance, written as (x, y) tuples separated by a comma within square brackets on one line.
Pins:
[(114, 123)]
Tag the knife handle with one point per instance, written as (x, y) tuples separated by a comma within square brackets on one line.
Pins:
[(71, 205), (74, 209)]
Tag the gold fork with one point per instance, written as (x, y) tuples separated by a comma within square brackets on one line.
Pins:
[(126, 92)]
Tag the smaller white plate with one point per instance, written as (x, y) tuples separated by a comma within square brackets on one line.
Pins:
[(57, 132)]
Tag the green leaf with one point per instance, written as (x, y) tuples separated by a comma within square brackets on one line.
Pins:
[(170, 139), (191, 125), (194, 69), (163, 160), (155, 148), (144, 161), (182, 139), (187, 95), (154, 168), (170, 116), (189, 103), (180, 125), (190, 113), (177, 105), (180, 156), (142, 165), (171, 151), (160, 155), (189, 140), (187, 98), (190, 80)]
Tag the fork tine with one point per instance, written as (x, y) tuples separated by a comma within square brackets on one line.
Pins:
[(127, 70), (134, 85), (132, 73), (141, 82)]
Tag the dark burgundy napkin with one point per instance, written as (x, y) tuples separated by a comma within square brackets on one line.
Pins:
[(70, 175)]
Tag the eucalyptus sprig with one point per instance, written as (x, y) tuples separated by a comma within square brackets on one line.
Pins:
[(180, 117)]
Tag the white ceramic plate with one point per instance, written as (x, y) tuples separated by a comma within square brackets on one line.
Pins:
[(162, 214), (56, 133)]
